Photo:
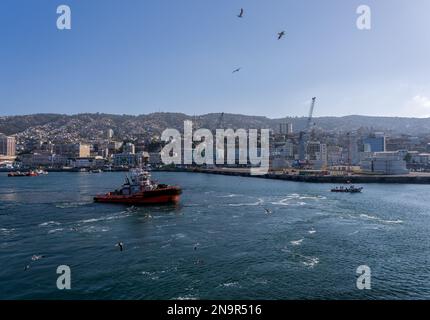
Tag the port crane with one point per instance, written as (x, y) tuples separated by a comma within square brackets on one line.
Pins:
[(305, 133)]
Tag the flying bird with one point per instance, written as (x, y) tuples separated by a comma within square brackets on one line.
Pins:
[(240, 15), (120, 245), (36, 257), (281, 34), (236, 70)]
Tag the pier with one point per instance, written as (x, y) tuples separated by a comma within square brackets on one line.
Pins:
[(411, 178)]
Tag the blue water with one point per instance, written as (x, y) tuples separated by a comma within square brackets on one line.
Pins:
[(308, 247)]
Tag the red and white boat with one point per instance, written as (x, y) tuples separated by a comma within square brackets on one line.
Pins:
[(140, 189)]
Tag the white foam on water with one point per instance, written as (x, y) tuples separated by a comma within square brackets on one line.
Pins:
[(91, 220), (259, 202), (122, 214), (231, 284), (393, 221), (49, 223), (228, 196), (55, 230), (297, 242), (311, 262), (369, 217), (66, 205), (186, 297), (283, 202)]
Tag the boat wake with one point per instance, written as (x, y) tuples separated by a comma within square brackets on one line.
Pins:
[(66, 205), (259, 202), (374, 218), (122, 214), (295, 199)]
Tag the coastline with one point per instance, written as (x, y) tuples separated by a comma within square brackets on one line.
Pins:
[(411, 178)]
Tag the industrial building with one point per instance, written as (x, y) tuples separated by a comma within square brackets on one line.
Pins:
[(389, 163)]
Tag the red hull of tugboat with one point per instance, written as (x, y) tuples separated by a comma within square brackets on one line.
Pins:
[(157, 196)]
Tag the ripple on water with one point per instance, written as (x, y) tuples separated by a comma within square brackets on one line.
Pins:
[(6, 232)]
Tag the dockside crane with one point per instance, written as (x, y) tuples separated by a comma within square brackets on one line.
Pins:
[(305, 133)]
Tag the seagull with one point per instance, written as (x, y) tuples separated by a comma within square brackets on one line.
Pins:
[(236, 70), (35, 257), (267, 211), (240, 15), (120, 245), (281, 34)]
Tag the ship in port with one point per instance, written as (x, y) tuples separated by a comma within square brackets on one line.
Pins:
[(351, 189), (139, 189)]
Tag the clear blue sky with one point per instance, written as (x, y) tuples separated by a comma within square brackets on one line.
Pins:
[(143, 56)]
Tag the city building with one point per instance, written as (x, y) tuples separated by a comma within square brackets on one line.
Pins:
[(109, 134), (285, 128), (114, 147), (389, 163), (316, 151), (334, 155), (87, 162), (7, 145), (73, 150), (130, 159), (42, 159), (353, 156), (374, 144), (284, 150), (129, 148)]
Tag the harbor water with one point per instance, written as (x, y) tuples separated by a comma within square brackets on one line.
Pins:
[(229, 238)]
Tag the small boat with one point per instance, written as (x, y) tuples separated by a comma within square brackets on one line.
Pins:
[(350, 189), (23, 174), (42, 172), (17, 174), (32, 174), (96, 171), (139, 189)]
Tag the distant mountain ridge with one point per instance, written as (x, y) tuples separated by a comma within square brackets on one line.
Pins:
[(92, 125)]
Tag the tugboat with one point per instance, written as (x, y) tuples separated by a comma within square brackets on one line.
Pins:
[(350, 189), (140, 189)]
